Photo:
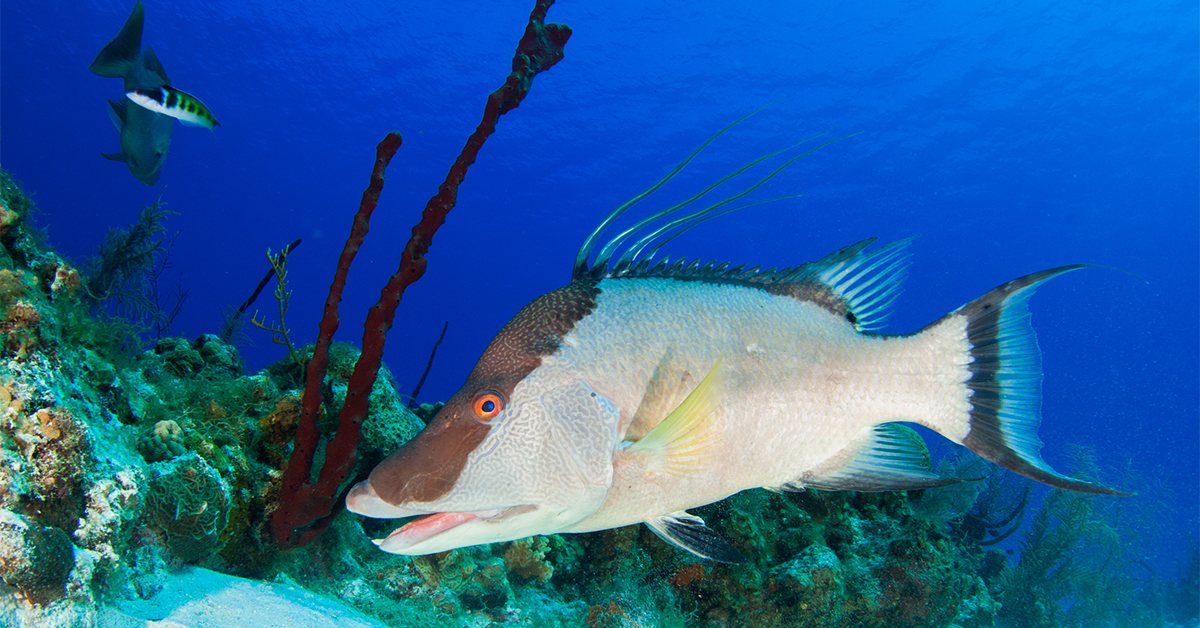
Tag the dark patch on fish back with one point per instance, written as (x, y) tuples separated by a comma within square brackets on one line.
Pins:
[(801, 283), (172, 98), (813, 292), (425, 468), (536, 331)]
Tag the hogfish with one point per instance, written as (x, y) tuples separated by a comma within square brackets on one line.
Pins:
[(646, 387)]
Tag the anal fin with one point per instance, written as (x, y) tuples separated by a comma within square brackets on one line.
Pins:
[(114, 156), (890, 457), (688, 532)]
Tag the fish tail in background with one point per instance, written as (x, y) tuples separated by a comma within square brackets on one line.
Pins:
[(1006, 382), (116, 58)]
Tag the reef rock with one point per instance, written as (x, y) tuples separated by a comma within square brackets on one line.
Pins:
[(35, 559)]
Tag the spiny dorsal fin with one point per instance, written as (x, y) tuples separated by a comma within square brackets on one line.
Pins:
[(890, 457), (685, 439), (848, 282), (688, 532), (864, 284)]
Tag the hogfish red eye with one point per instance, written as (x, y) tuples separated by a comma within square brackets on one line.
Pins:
[(487, 405)]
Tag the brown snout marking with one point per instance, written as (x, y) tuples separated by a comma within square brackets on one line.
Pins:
[(427, 467)]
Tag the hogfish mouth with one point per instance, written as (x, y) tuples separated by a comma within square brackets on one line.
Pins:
[(428, 526), (425, 525)]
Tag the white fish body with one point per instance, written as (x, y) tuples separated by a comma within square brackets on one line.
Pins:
[(799, 384)]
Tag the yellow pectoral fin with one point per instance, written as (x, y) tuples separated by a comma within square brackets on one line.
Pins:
[(667, 388), (687, 438)]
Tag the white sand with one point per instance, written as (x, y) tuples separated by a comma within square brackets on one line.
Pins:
[(199, 598)]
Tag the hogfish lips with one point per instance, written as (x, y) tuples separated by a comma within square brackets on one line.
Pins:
[(644, 388)]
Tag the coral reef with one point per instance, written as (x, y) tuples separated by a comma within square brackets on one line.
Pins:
[(525, 560), (120, 465), (124, 275), (112, 505), (128, 464), (388, 425), (206, 356), (21, 326), (35, 559), (21, 246), (189, 502), (1069, 572), (55, 450), (818, 559), (163, 442)]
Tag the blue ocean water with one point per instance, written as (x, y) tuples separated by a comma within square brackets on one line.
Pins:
[(1011, 136)]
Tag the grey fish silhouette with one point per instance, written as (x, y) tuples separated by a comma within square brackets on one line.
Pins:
[(145, 135)]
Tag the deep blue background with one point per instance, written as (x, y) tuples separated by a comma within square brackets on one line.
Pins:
[(1012, 136)]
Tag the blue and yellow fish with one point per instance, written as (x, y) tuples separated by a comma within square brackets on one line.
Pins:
[(174, 103)]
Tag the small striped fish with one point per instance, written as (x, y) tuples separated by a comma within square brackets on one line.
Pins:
[(647, 387), (174, 103)]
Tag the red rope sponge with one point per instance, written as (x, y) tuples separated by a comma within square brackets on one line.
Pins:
[(307, 508)]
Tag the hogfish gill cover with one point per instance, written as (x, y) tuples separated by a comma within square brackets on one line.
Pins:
[(644, 388)]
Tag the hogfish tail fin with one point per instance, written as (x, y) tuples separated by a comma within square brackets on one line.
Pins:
[(117, 57), (1006, 382)]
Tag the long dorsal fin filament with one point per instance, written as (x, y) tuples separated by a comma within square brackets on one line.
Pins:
[(848, 282), (606, 253), (581, 268), (629, 258)]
